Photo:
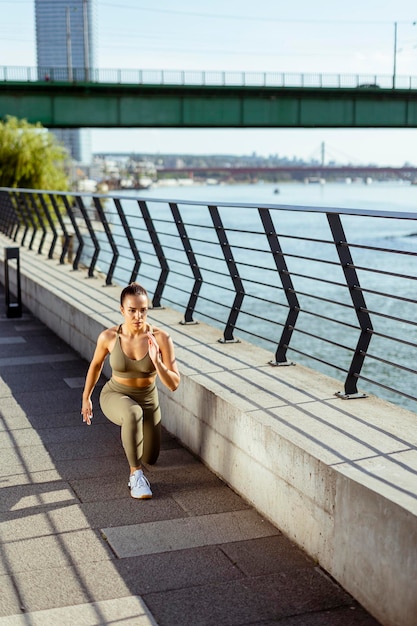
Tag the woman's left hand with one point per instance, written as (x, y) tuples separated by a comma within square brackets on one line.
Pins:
[(164, 359), (153, 348)]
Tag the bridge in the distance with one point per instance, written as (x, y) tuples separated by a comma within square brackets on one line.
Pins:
[(298, 171), (95, 98)]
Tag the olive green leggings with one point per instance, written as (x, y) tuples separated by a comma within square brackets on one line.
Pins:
[(137, 411)]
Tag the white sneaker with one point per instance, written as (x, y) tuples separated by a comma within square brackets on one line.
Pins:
[(139, 486)]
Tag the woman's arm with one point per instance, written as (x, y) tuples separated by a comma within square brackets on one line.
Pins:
[(163, 357), (93, 374)]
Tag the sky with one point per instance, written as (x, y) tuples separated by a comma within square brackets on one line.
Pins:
[(302, 37)]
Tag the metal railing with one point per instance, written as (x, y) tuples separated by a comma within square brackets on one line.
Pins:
[(204, 78), (334, 289)]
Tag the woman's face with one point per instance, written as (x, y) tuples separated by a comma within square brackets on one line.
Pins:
[(135, 310)]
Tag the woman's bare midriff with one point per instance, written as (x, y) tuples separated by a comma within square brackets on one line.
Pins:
[(135, 382)]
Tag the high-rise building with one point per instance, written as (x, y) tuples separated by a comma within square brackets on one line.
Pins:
[(65, 43)]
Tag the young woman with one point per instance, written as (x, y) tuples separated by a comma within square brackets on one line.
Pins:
[(138, 353)]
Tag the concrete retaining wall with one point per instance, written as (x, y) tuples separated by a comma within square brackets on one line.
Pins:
[(338, 477)]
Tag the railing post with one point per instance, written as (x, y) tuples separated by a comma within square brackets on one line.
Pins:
[(41, 224), (9, 221), (51, 224), (66, 238), (287, 284), (130, 239), (14, 198), (156, 301), (358, 301), (198, 280), (92, 234), (110, 239), (234, 275), (27, 218), (69, 242)]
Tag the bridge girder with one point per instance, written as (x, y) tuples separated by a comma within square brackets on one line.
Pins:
[(98, 105)]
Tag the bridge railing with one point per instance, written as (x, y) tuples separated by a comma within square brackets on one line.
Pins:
[(199, 78), (332, 289)]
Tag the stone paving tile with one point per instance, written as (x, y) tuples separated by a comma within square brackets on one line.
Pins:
[(35, 345), (25, 460), (86, 468), (11, 420), (267, 555), (4, 389), (129, 611), (29, 326), (21, 477), (231, 603), (62, 416), (86, 581), (39, 553), (9, 599), (19, 499), (114, 487), (168, 442), (300, 591), (105, 579), (23, 437), (170, 481), (74, 369), (175, 457), (80, 449), (98, 489), (10, 341), (206, 500), (47, 401), (26, 363), (188, 532), (247, 601), (35, 331), (75, 382), (126, 511), (43, 521), (353, 615), (180, 569), (78, 432)]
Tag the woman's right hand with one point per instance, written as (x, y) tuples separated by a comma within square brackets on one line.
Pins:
[(87, 411)]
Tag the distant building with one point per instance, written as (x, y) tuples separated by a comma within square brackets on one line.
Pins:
[(65, 47)]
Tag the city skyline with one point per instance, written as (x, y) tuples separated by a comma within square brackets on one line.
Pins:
[(236, 36)]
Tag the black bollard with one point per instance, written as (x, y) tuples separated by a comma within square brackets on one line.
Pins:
[(14, 308)]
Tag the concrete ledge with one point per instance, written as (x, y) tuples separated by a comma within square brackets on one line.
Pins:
[(338, 477)]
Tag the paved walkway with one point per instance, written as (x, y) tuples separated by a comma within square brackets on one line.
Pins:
[(76, 549)]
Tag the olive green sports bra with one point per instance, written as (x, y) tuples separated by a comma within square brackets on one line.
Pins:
[(123, 367)]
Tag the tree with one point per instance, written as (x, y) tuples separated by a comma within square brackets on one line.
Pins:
[(31, 157)]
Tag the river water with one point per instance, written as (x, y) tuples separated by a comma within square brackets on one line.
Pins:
[(392, 197)]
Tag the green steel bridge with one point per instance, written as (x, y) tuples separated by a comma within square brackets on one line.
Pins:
[(85, 97)]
